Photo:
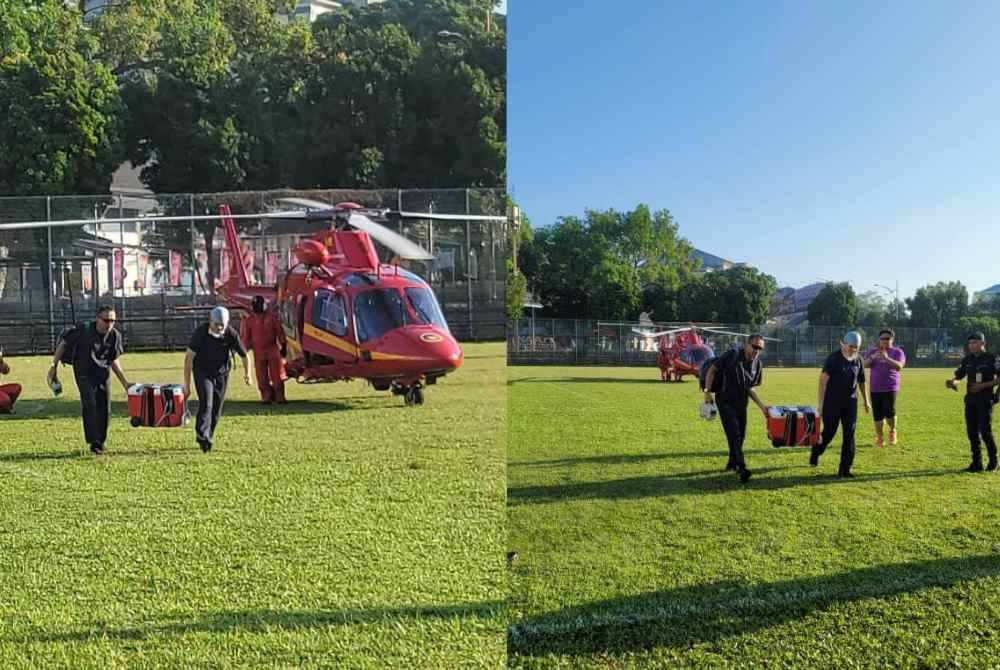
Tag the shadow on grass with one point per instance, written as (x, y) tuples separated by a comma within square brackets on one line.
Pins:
[(29, 410), (619, 459), (690, 484), (265, 620), (681, 618), (585, 380)]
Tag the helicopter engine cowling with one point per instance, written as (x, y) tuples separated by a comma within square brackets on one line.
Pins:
[(312, 253)]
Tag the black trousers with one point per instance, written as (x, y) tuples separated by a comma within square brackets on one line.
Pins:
[(847, 417), (733, 414), (211, 395), (95, 405), (979, 422)]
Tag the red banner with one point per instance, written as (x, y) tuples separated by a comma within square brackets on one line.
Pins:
[(271, 268), (175, 268), (141, 261), (118, 274)]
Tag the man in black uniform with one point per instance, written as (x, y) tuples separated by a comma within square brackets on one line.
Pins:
[(740, 370), (843, 374), (981, 369), (208, 356), (94, 349)]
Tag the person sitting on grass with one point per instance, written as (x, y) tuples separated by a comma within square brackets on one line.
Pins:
[(8, 392)]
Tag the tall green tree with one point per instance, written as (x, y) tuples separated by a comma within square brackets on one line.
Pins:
[(62, 125), (835, 305), (871, 309), (938, 305)]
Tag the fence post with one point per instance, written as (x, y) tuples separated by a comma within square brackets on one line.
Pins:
[(194, 258), (48, 217), (468, 267)]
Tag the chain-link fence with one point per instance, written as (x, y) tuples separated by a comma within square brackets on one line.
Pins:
[(568, 341), (153, 272)]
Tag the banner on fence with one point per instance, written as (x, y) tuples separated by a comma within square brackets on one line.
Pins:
[(118, 274), (175, 268), (141, 262), (271, 268)]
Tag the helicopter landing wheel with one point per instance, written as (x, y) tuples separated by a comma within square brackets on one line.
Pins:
[(414, 396)]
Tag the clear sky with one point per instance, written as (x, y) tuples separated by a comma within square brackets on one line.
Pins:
[(815, 140)]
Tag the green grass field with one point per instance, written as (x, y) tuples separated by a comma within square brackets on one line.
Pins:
[(636, 550), (342, 530)]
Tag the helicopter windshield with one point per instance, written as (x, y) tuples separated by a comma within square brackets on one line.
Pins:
[(378, 312), (426, 307)]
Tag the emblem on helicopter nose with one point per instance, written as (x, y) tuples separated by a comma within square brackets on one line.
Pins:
[(431, 337)]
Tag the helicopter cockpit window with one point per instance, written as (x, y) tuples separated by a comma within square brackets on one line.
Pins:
[(329, 313), (426, 307), (378, 312)]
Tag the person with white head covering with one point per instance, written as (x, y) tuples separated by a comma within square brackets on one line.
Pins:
[(842, 379), (209, 356)]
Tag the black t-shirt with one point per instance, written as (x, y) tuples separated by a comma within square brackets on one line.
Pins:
[(739, 375), (981, 367), (845, 376), (212, 355), (94, 352)]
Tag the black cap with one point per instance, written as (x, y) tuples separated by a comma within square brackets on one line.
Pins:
[(977, 336), (886, 331)]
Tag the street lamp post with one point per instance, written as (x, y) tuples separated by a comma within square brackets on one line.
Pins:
[(895, 294)]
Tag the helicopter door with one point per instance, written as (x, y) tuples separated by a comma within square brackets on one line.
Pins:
[(328, 323)]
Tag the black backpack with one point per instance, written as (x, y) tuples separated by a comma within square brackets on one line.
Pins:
[(717, 383), (70, 336)]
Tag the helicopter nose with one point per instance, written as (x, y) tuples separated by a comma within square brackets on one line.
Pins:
[(442, 349)]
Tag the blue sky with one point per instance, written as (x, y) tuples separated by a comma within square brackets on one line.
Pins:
[(816, 141)]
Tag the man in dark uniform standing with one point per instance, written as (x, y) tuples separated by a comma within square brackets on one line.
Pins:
[(843, 374), (981, 369), (208, 356), (740, 370), (96, 348)]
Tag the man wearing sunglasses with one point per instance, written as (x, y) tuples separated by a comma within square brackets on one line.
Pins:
[(94, 350), (982, 369), (842, 379), (885, 362), (734, 374)]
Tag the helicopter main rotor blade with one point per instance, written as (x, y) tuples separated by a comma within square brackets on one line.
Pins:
[(323, 206), (22, 225), (400, 245), (727, 332)]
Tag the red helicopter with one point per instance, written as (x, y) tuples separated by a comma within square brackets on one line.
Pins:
[(682, 351), (346, 315)]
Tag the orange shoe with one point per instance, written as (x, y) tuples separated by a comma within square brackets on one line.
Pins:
[(892, 437), (878, 441)]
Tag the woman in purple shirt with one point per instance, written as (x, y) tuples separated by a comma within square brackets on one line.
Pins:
[(885, 362)]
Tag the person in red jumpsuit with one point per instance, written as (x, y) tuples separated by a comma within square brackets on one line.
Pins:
[(261, 332), (8, 392)]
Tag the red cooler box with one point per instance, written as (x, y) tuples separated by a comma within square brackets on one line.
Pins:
[(793, 426), (157, 405)]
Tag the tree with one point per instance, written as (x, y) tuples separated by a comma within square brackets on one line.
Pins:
[(737, 295), (872, 309), (938, 305), (517, 291), (597, 267), (62, 126), (835, 305), (988, 325)]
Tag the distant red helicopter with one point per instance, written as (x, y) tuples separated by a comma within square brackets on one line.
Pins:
[(682, 351), (346, 315)]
